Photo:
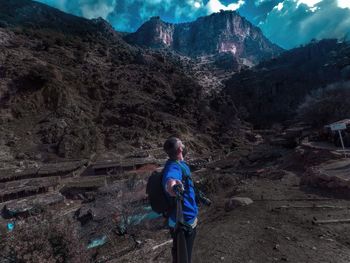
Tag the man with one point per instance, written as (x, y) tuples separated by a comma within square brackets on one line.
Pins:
[(173, 174)]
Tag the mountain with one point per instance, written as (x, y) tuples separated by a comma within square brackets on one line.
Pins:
[(31, 14), (70, 87), (273, 91), (220, 33)]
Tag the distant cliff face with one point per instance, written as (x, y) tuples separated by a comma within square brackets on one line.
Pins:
[(155, 34), (224, 32)]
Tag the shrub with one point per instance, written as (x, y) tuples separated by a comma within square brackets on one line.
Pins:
[(42, 239)]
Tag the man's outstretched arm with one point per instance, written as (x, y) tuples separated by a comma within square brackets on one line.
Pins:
[(170, 186)]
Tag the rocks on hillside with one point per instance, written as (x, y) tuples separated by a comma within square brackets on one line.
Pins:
[(74, 87), (235, 202)]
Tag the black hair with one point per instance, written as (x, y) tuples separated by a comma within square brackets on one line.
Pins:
[(171, 146)]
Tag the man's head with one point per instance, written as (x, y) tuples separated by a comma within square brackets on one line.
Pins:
[(174, 148)]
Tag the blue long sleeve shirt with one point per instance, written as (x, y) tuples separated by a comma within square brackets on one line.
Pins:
[(172, 170)]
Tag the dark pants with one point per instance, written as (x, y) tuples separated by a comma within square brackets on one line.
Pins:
[(189, 236)]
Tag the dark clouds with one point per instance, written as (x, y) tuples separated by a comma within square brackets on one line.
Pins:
[(256, 11), (288, 23), (296, 24), (128, 15)]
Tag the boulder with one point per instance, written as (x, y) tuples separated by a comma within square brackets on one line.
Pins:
[(235, 202)]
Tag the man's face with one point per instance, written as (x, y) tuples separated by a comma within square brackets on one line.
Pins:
[(183, 149)]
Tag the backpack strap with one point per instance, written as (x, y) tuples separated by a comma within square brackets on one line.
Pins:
[(185, 177), (200, 197)]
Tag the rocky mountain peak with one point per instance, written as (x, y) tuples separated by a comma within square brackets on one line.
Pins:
[(223, 32), (155, 33)]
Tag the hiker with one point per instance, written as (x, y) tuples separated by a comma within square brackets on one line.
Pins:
[(173, 176)]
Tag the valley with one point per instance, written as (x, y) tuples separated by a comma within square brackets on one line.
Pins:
[(85, 110)]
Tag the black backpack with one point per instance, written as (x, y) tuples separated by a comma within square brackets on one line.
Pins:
[(158, 199)]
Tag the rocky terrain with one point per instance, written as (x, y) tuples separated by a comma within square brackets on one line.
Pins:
[(264, 210), (72, 87), (212, 48)]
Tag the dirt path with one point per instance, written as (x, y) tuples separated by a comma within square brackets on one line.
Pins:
[(263, 232)]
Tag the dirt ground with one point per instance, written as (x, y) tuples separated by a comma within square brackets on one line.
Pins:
[(264, 232), (277, 227)]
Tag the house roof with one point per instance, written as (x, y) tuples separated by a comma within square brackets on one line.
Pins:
[(345, 121)]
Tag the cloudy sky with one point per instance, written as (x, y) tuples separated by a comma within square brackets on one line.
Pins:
[(288, 23)]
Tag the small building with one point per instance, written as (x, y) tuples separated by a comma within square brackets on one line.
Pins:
[(333, 134)]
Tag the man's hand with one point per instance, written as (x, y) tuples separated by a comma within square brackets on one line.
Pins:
[(170, 186)]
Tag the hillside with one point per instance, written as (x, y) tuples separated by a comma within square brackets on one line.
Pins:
[(272, 91), (70, 87)]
